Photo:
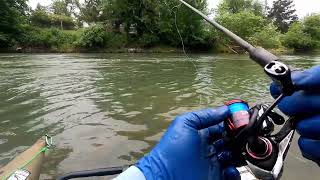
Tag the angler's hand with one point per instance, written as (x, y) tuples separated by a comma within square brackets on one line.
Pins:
[(305, 102), (190, 149)]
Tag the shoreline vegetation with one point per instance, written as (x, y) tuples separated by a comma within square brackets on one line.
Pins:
[(138, 50), (147, 26)]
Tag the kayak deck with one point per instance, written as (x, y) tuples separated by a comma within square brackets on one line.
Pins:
[(27, 165)]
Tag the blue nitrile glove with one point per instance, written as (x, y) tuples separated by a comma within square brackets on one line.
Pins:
[(190, 149), (305, 102)]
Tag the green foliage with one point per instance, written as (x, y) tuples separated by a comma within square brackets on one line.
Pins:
[(41, 18), (4, 40), (283, 14), (244, 24), (237, 6), (312, 26), (179, 23), (296, 38), (117, 40), (304, 35), (148, 40), (268, 37), (60, 7), (64, 22), (154, 22), (246, 18), (100, 36), (90, 11), (149, 23), (142, 14), (94, 37), (60, 38), (65, 7), (47, 38), (12, 15)]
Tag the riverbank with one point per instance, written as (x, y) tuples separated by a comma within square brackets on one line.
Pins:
[(157, 49)]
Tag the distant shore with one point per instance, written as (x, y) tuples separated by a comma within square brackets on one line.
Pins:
[(159, 49), (95, 50)]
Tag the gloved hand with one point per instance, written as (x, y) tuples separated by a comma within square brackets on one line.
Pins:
[(190, 149), (305, 103)]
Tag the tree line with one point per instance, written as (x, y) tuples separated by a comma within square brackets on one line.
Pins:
[(66, 25)]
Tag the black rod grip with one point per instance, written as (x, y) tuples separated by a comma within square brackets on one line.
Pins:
[(262, 56)]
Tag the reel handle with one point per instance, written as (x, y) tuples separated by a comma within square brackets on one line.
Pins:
[(280, 74)]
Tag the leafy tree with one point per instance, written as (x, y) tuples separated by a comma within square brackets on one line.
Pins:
[(304, 35), (237, 6), (268, 37), (90, 11), (283, 14), (312, 26), (297, 39), (244, 17), (39, 17), (174, 19), (60, 7), (52, 38), (140, 14), (12, 15), (65, 7), (244, 24), (94, 37), (62, 13), (61, 21)]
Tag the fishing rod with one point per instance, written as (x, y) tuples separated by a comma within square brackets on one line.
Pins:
[(250, 132), (278, 71), (259, 55)]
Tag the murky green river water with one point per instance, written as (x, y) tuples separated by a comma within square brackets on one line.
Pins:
[(109, 109)]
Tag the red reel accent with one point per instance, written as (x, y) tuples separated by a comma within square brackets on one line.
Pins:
[(228, 103), (231, 125)]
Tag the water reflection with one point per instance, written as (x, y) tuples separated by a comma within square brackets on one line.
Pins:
[(108, 110), (18, 96)]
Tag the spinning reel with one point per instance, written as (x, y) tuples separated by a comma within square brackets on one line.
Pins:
[(249, 132)]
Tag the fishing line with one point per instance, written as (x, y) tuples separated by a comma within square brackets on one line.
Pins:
[(205, 77)]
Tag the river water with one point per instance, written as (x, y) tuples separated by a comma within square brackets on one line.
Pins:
[(109, 109)]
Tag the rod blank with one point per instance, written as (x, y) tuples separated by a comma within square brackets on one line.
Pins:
[(244, 44), (259, 55)]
